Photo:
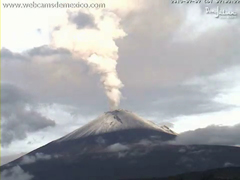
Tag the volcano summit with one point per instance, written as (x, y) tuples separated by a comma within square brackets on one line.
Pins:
[(117, 122), (120, 145)]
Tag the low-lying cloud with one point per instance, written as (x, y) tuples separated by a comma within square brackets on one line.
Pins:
[(29, 159), (212, 135), (15, 173), (117, 147)]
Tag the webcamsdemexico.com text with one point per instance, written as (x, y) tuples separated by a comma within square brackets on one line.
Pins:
[(53, 5)]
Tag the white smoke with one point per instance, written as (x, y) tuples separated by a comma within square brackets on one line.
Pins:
[(96, 46)]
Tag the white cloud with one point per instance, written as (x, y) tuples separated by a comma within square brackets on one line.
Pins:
[(28, 159), (117, 147), (15, 173)]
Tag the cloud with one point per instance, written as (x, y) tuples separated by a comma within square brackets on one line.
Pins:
[(45, 51), (100, 140), (145, 142), (213, 135), (182, 150), (29, 159), (160, 62), (178, 100), (228, 164), (122, 154), (185, 161), (172, 100), (18, 114), (82, 20), (15, 173), (117, 147), (55, 71), (8, 55)]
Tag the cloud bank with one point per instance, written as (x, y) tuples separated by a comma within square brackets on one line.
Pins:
[(213, 135)]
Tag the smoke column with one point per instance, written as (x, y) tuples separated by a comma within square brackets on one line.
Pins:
[(95, 45)]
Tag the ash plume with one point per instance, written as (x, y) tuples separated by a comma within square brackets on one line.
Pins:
[(95, 45)]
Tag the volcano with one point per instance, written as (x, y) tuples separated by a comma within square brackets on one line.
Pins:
[(120, 145)]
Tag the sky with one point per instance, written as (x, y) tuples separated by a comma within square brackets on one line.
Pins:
[(171, 64)]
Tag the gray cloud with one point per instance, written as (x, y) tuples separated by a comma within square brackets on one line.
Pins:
[(8, 55), (159, 61), (82, 20), (182, 99), (54, 76), (45, 51), (214, 134), (153, 66), (15, 173), (18, 115)]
